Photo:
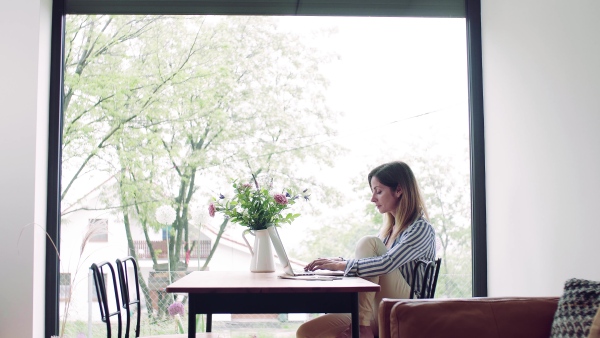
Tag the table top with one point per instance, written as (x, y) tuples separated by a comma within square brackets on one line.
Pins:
[(248, 282)]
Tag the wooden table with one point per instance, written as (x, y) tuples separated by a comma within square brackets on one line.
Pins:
[(246, 292)]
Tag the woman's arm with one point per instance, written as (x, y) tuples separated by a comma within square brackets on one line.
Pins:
[(416, 242)]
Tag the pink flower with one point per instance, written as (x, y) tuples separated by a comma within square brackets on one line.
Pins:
[(176, 309), (211, 210), (280, 199)]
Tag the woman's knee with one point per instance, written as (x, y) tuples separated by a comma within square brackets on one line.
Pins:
[(302, 331), (368, 246), (324, 326)]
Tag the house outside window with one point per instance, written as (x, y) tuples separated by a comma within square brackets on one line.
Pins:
[(65, 286), (98, 228)]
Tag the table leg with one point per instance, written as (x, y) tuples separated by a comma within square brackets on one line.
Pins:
[(191, 323), (354, 312)]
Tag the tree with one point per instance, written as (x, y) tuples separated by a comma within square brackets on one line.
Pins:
[(232, 114), (227, 97), (446, 193), (93, 80)]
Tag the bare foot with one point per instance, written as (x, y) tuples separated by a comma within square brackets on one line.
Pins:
[(364, 332)]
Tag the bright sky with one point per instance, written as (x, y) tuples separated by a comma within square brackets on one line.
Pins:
[(390, 70)]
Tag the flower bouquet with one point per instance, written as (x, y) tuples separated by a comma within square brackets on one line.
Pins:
[(259, 210), (256, 207)]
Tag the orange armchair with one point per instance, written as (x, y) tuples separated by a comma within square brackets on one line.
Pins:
[(525, 317)]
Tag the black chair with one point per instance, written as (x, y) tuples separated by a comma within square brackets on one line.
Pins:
[(431, 270), (126, 294), (128, 301), (101, 293)]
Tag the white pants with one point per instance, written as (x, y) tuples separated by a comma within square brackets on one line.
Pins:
[(392, 285)]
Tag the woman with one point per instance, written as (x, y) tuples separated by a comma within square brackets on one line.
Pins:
[(387, 259)]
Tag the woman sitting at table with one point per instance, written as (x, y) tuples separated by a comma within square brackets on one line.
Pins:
[(387, 259)]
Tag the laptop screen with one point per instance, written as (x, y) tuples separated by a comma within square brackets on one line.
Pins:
[(283, 258)]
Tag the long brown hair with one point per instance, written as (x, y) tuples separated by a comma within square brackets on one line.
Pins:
[(411, 207)]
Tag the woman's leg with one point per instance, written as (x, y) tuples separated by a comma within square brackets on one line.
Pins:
[(332, 325), (392, 284), (325, 326)]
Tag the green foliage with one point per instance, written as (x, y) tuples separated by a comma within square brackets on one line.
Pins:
[(338, 236), (160, 115), (256, 207), (445, 188)]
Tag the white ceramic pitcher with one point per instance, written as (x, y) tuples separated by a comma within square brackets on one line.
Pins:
[(262, 253)]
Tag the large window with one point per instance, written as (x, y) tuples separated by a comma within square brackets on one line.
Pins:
[(156, 126), (161, 112)]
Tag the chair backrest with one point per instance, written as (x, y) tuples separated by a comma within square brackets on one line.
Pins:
[(431, 270), (126, 296), (101, 293)]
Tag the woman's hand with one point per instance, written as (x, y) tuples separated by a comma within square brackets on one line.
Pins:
[(332, 263)]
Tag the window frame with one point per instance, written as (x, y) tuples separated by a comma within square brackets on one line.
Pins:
[(424, 8)]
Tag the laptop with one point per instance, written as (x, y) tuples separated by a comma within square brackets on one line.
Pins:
[(285, 262)]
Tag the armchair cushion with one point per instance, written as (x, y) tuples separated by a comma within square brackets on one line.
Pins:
[(528, 317)]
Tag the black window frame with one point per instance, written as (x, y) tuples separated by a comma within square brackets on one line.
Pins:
[(470, 10)]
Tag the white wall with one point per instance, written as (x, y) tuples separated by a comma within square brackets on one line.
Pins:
[(24, 69), (541, 71)]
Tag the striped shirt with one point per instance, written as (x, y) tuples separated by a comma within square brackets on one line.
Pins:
[(416, 242)]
